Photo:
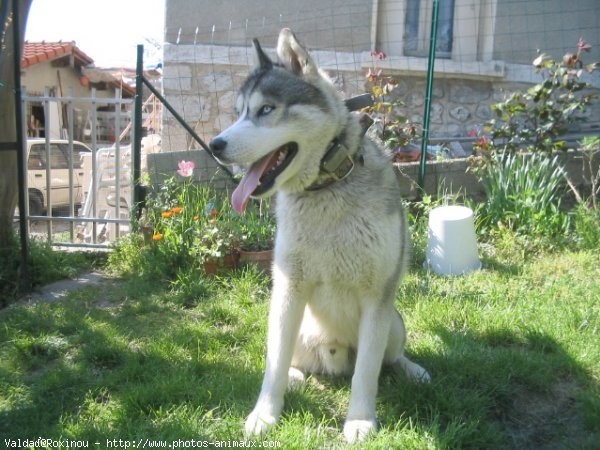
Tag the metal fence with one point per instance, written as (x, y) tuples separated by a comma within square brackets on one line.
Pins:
[(86, 189)]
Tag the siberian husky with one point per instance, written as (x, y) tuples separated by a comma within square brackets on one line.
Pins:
[(341, 246)]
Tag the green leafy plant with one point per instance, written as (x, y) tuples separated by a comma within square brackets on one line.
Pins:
[(191, 226), (257, 227), (586, 225), (536, 118), (191, 220), (523, 193)]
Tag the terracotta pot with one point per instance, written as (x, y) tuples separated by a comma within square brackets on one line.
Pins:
[(210, 267), (229, 262), (262, 259)]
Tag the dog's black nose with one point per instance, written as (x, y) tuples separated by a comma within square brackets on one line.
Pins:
[(217, 145)]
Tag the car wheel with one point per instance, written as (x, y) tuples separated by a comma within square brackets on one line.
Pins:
[(36, 208)]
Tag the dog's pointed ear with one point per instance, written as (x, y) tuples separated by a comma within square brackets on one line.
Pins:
[(294, 56), (262, 60)]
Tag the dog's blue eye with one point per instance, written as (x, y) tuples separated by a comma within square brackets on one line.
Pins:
[(266, 109)]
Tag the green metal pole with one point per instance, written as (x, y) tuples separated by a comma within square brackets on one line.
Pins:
[(137, 130), (427, 113)]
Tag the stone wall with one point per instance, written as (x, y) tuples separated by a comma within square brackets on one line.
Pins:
[(457, 106), (201, 83), (441, 177), (204, 95)]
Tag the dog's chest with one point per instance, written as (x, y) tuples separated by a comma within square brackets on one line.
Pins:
[(325, 241)]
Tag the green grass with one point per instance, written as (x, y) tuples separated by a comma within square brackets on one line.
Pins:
[(513, 352), (45, 266)]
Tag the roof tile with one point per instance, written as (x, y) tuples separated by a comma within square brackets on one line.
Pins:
[(37, 52)]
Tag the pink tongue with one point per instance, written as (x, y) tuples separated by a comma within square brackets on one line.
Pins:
[(241, 194)]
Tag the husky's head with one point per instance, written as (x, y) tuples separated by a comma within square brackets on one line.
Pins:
[(289, 112)]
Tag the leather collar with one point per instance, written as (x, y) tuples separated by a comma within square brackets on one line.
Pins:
[(339, 161)]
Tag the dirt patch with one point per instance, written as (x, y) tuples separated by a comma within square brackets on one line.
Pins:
[(545, 421)]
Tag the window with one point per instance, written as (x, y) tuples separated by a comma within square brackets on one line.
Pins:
[(36, 121), (417, 28), (37, 157), (78, 152), (464, 30)]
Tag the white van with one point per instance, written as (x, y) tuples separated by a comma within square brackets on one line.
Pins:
[(37, 163)]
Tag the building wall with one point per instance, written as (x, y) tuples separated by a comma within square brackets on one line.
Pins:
[(63, 82), (39, 76), (236, 22), (203, 69), (553, 26)]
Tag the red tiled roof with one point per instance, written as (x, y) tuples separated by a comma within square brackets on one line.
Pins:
[(37, 52)]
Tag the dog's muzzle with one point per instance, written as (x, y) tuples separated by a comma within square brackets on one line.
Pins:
[(217, 145)]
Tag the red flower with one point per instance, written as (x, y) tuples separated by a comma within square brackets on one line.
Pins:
[(378, 54), (583, 45)]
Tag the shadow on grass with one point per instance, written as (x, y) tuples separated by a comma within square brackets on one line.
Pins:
[(71, 369), (498, 389)]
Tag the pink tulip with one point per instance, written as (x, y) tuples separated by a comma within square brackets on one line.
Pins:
[(186, 168)]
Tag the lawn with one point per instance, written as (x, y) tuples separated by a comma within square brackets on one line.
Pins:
[(513, 351)]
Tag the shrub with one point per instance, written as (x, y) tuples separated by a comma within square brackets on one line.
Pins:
[(586, 224), (590, 149), (389, 123), (535, 119), (257, 227)]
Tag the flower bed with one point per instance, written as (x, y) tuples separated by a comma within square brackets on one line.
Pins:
[(196, 222)]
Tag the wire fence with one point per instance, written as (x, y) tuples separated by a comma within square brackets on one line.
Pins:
[(484, 51)]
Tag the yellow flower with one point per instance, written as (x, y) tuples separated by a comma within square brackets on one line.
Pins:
[(166, 214), (177, 210), (196, 217), (157, 236)]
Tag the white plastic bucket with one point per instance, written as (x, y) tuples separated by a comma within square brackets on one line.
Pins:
[(451, 243)]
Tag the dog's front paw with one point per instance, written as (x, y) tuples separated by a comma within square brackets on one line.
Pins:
[(258, 423), (358, 430)]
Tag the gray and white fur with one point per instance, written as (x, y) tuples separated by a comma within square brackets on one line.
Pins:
[(340, 251)]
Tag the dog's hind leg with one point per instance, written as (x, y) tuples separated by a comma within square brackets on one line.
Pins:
[(394, 353), (296, 378)]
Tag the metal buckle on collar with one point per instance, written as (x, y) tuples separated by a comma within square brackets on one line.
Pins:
[(338, 161)]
